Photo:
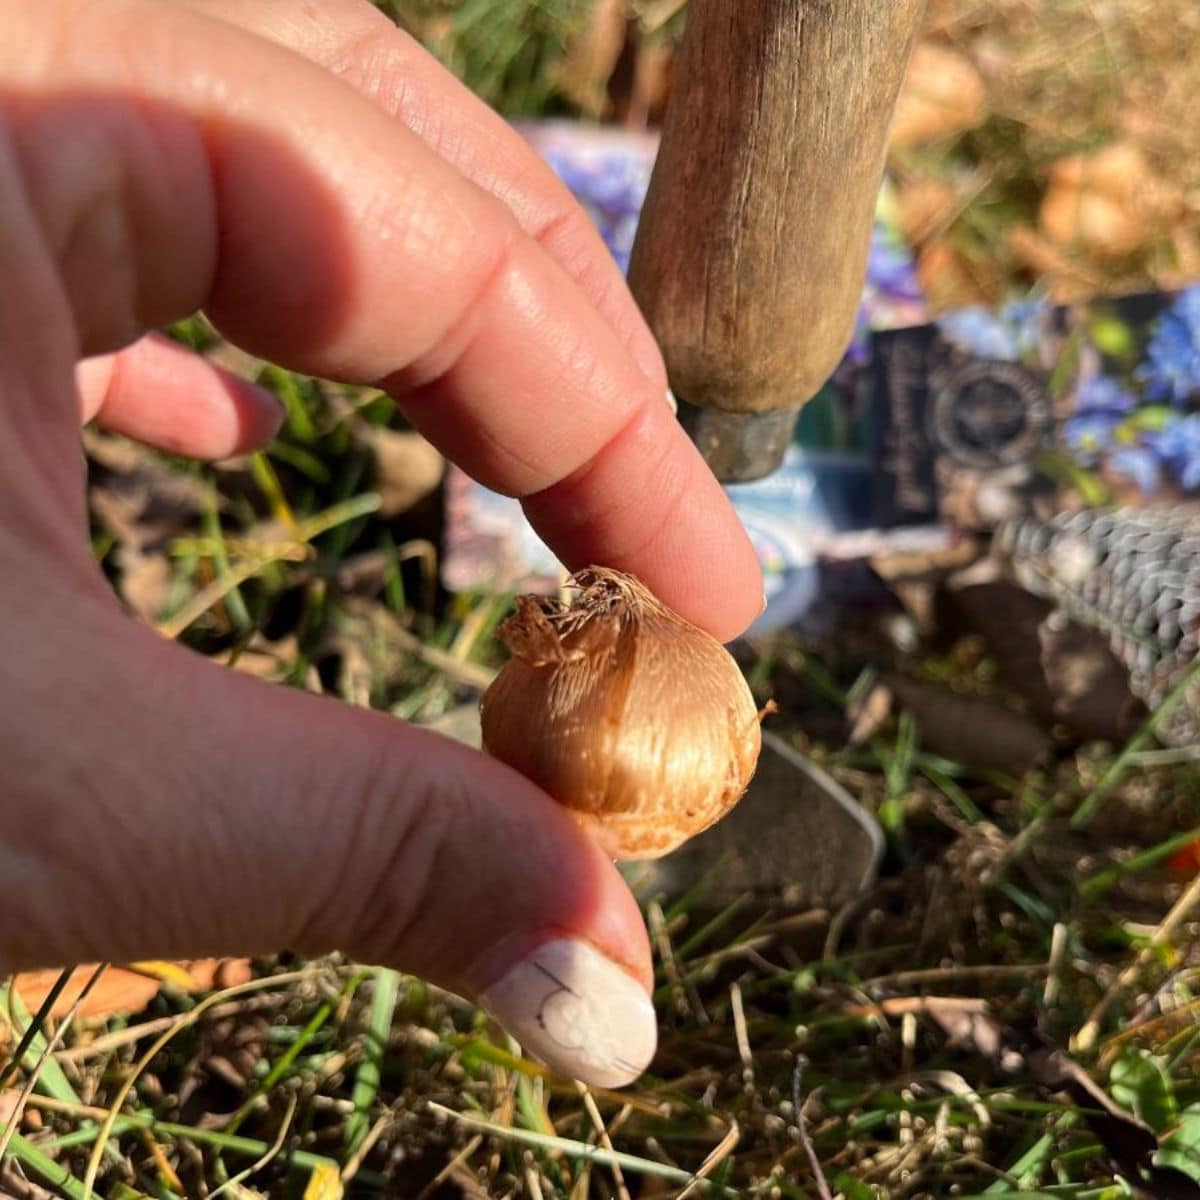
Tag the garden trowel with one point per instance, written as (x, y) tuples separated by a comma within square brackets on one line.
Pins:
[(796, 840), (752, 245)]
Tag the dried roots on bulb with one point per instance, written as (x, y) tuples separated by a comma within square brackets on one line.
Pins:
[(639, 723)]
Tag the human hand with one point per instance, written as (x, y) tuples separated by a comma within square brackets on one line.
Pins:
[(338, 204)]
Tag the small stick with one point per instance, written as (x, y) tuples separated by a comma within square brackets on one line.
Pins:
[(593, 1112), (684, 997), (739, 1032), (937, 974), (1058, 951), (355, 1162), (722, 1150), (802, 1129), (533, 1184), (897, 1006), (271, 1152), (1085, 1039), (449, 1169)]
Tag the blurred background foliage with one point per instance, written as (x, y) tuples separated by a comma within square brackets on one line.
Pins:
[(1049, 144)]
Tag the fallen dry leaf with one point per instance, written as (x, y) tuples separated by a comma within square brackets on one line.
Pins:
[(142, 503), (943, 96), (923, 205), (946, 278), (407, 470), (325, 1183), (1108, 203), (1066, 278), (979, 733), (869, 715), (1127, 1140), (1065, 673), (591, 58), (123, 991)]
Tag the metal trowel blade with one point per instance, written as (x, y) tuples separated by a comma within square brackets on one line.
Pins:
[(797, 838)]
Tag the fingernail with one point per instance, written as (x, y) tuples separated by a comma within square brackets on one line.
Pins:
[(672, 401), (578, 1012), (263, 411)]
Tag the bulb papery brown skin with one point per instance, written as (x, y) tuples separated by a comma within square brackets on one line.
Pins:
[(639, 723)]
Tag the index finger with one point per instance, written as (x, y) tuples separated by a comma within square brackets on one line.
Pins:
[(339, 244), (360, 45)]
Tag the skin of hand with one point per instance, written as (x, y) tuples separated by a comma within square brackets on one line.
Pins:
[(337, 203)]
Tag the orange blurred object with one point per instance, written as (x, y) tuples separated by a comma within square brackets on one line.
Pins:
[(1186, 861), (126, 990), (943, 96)]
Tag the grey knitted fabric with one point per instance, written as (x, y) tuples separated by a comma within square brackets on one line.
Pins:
[(1133, 574)]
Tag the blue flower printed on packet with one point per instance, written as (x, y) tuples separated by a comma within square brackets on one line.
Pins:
[(1177, 445), (1101, 406), (1102, 394), (1006, 335), (1090, 434), (1139, 464), (1171, 371)]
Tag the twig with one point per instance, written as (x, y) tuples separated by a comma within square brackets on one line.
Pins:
[(355, 1161), (472, 674), (449, 1169), (685, 997), (272, 1150), (897, 1006), (135, 1033), (35, 1024), (1085, 1039), (739, 1032), (533, 1184), (593, 1112), (938, 974), (186, 1134), (822, 1184), (720, 1152), (1058, 951)]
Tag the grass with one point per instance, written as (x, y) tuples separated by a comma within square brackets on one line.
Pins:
[(886, 1050)]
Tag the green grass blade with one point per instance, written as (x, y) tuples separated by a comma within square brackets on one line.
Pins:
[(219, 1140), (53, 1081), (573, 1149), (1096, 884), (239, 614), (1123, 761), (45, 1168), (370, 1070)]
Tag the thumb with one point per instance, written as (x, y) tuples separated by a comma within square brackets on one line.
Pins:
[(191, 811)]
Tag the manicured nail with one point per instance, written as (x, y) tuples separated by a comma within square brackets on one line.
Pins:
[(672, 401), (262, 412), (578, 1012)]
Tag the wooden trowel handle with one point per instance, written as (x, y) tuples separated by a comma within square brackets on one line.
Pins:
[(753, 242)]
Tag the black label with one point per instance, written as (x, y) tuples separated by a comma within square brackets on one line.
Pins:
[(941, 413)]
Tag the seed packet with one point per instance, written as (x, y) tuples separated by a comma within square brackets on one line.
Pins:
[(815, 509), (981, 417)]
